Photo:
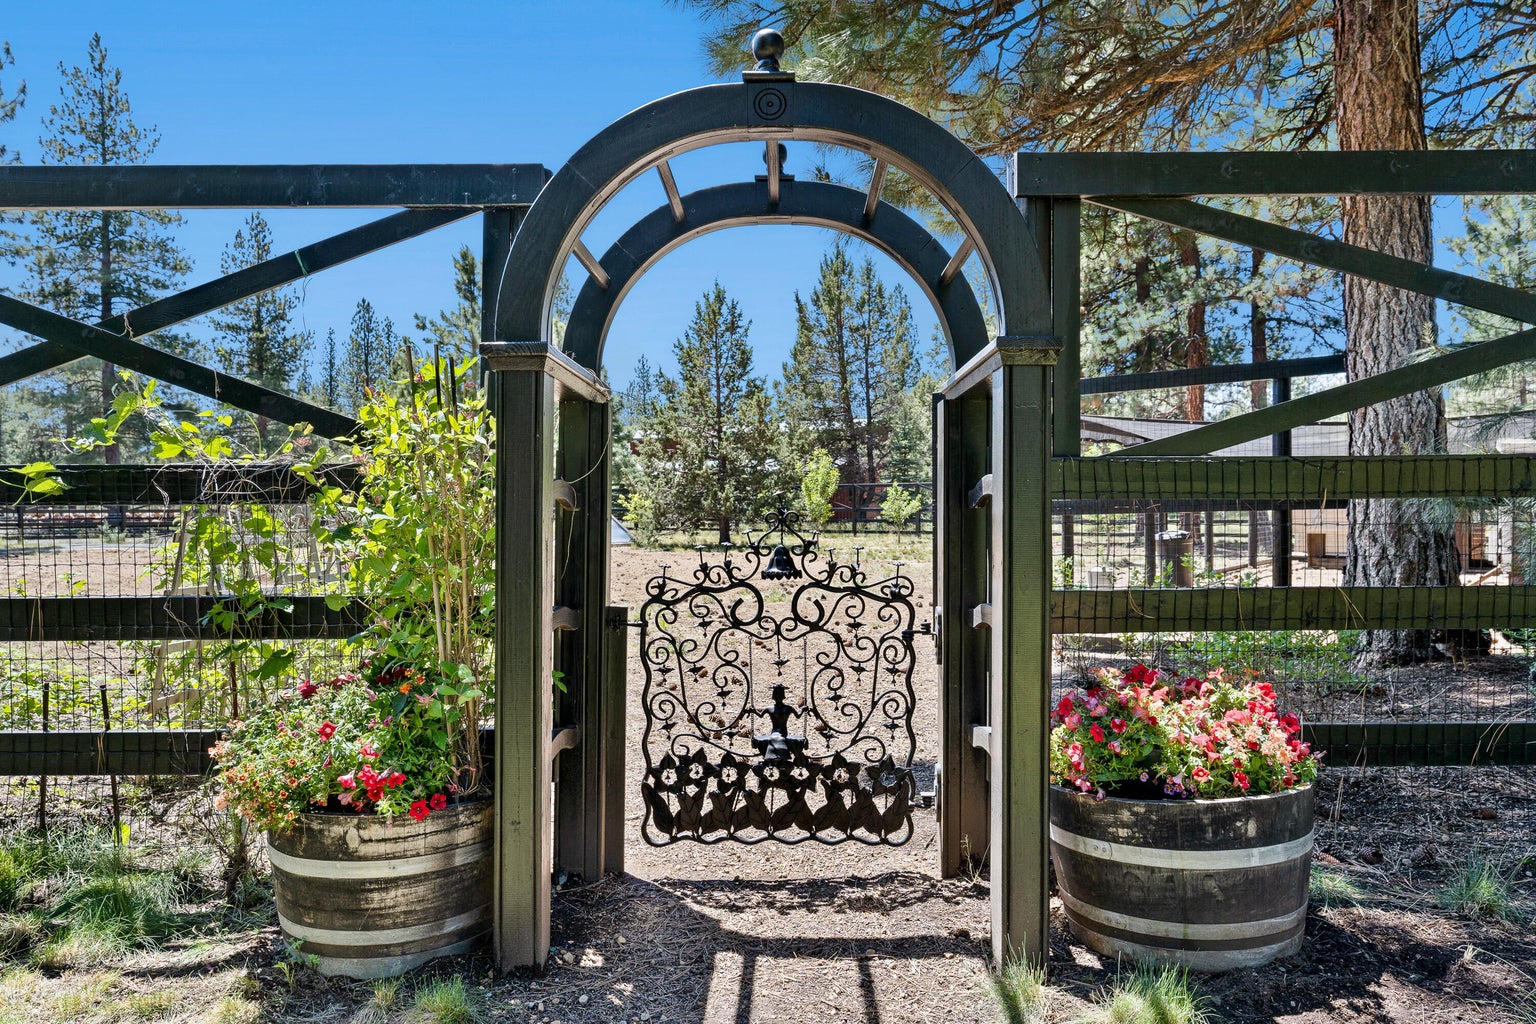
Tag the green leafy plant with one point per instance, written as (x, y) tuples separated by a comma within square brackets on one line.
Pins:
[(382, 743), (1139, 736), (899, 506), (818, 483)]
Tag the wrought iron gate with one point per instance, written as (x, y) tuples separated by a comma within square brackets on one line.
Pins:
[(783, 711)]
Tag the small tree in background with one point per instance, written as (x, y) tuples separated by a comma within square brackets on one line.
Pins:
[(818, 483), (93, 264), (712, 423), (257, 338), (899, 506), (456, 331)]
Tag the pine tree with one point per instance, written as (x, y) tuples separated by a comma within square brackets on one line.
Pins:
[(712, 423), (329, 389), (852, 363), (1117, 75), (93, 264), (10, 106), (257, 337), (456, 332), (372, 348)]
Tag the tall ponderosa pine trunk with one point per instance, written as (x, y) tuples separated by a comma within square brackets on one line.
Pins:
[(1380, 105)]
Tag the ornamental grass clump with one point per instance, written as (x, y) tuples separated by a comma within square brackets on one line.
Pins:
[(1142, 737)]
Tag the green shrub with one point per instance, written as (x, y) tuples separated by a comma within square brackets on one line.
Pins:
[(1479, 892)]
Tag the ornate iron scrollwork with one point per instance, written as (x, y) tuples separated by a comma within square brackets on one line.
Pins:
[(783, 716)]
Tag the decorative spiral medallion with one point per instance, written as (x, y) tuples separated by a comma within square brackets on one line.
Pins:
[(782, 712), (769, 104)]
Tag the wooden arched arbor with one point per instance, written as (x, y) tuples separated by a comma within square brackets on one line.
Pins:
[(992, 437)]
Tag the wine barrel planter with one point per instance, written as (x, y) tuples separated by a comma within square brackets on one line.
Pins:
[(371, 899), (1210, 885)]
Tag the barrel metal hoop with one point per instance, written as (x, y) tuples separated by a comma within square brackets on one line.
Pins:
[(1193, 860), (304, 867), (365, 937), (1181, 930)]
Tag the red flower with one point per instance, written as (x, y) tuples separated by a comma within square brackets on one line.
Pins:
[(1200, 774), (394, 779), (327, 730), (419, 810), (1240, 779), (375, 794), (347, 781), (1291, 723), (307, 689), (1096, 733), (1064, 708), (439, 801), (1117, 724)]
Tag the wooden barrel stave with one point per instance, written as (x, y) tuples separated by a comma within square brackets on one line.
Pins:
[(370, 900), (1210, 885)]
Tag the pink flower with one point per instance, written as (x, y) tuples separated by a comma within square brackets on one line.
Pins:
[(1240, 779), (1200, 773), (307, 689), (347, 781), (1096, 732), (1117, 724), (1073, 720), (327, 730)]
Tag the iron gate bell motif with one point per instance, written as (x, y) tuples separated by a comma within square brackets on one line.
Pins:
[(784, 716)]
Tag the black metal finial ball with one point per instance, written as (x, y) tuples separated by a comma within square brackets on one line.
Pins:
[(767, 48)]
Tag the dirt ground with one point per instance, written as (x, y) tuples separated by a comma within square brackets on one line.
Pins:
[(733, 934)]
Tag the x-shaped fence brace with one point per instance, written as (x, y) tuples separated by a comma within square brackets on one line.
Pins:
[(438, 195)]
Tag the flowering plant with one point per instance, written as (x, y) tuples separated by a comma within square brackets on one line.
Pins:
[(1139, 736), (379, 742)]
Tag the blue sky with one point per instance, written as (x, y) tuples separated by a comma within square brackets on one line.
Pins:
[(390, 82)]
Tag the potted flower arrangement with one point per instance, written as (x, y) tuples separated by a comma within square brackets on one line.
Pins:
[(370, 786), (1181, 819)]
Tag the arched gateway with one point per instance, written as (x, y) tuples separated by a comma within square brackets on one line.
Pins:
[(992, 440)]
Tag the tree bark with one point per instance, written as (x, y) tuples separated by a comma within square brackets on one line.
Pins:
[(1258, 334), (1197, 345), (1379, 104)]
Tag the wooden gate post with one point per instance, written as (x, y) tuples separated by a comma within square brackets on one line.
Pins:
[(962, 425), (1021, 654), (589, 809)]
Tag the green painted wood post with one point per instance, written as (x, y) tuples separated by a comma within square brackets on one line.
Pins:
[(523, 400), (525, 410), (581, 817), (962, 424), (1021, 680)]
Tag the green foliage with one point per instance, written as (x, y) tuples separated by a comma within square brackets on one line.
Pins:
[(445, 1001), (1153, 995), (851, 365), (1329, 889), (419, 536), (1020, 991), (75, 897), (1316, 659), (641, 517), (818, 483), (94, 264), (257, 336), (707, 456), (371, 346), (899, 506), (455, 333), (1479, 891)]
